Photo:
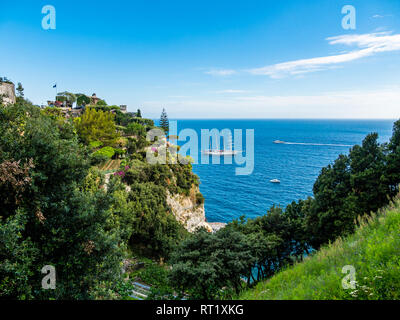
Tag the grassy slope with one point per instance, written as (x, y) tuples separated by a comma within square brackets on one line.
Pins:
[(374, 251)]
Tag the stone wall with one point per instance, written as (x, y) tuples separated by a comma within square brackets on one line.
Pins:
[(7, 90)]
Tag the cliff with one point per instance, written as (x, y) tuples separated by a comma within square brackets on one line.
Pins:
[(185, 209)]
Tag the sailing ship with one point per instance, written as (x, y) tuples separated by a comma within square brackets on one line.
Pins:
[(228, 150)]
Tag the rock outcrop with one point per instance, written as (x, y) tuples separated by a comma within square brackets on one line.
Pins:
[(187, 211)]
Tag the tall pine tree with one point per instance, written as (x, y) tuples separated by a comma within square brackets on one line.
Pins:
[(164, 123), (20, 90)]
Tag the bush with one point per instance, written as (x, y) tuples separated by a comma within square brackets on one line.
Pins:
[(95, 144), (106, 152), (58, 217), (135, 129), (118, 153), (96, 159), (199, 199)]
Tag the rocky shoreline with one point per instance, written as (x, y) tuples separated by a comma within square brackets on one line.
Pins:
[(215, 226)]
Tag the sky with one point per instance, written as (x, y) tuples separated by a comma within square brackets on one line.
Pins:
[(210, 59)]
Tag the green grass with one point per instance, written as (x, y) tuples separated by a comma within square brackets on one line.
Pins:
[(373, 250)]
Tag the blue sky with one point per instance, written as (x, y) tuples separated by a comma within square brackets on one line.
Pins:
[(211, 59)]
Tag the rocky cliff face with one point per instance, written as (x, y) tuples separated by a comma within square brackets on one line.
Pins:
[(187, 211)]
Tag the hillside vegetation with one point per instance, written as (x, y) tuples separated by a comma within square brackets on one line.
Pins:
[(373, 250), (79, 193)]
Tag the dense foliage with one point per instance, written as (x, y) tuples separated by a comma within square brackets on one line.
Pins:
[(373, 251), (49, 216), (96, 125), (205, 263), (79, 195), (60, 210)]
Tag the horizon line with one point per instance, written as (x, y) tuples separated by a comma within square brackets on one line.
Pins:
[(360, 119)]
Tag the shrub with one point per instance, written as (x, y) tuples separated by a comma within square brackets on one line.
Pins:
[(135, 129), (199, 199), (118, 153), (106, 152), (97, 158), (95, 144)]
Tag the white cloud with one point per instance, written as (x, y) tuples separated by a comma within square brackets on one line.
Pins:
[(367, 44), (231, 91), (221, 72)]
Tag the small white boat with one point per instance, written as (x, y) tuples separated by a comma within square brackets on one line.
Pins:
[(220, 152), (279, 141), (275, 181)]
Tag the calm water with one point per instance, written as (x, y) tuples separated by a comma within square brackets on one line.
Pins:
[(228, 196)]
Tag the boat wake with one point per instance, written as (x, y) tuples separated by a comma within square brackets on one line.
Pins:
[(314, 144)]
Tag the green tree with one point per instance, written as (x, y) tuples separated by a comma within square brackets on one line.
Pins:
[(354, 186), (155, 231), (135, 129), (96, 125), (164, 123), (393, 161), (20, 90), (329, 215), (48, 209), (205, 263), (368, 182), (82, 99), (138, 113)]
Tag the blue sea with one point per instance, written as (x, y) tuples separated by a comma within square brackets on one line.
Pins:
[(313, 144)]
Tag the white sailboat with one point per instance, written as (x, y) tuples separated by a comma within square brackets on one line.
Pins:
[(225, 152)]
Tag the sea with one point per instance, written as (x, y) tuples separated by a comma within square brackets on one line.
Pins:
[(309, 146)]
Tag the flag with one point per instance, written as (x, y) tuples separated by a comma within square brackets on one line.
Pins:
[(55, 86)]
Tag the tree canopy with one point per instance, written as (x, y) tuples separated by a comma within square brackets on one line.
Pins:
[(96, 125), (49, 215)]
